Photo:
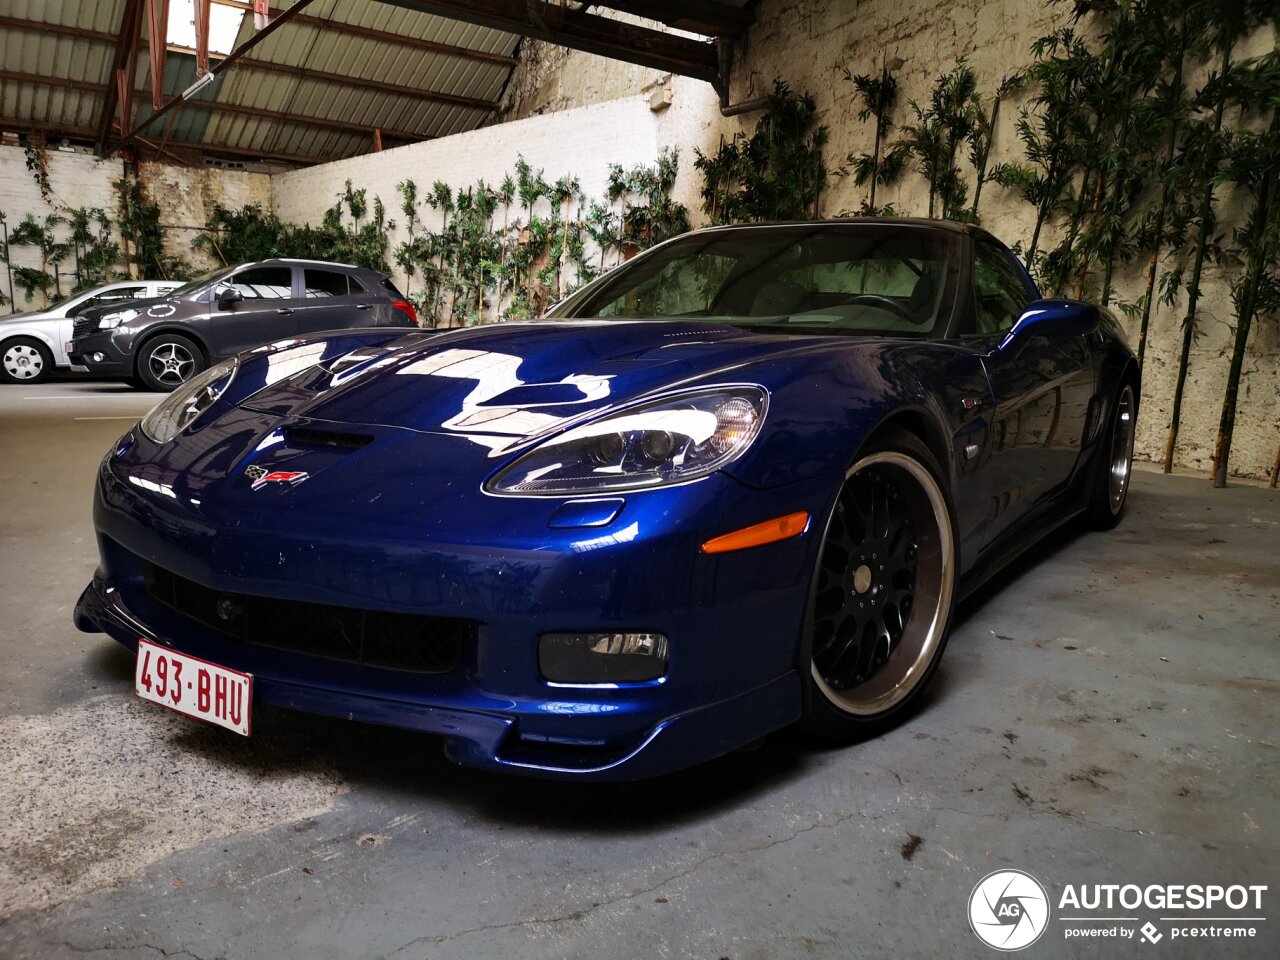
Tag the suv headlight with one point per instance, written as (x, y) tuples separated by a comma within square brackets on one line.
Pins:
[(113, 320), (672, 440), (180, 409)]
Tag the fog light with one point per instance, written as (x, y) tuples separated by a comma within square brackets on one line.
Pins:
[(99, 357), (602, 657)]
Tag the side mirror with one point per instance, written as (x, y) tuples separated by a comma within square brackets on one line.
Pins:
[(227, 296), (1054, 318)]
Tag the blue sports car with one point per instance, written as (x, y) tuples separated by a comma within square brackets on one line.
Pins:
[(737, 483)]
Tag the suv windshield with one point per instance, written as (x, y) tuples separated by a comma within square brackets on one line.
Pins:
[(200, 282), (811, 278)]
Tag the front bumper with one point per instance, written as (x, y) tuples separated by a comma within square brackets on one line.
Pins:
[(733, 621), (485, 735), (85, 351)]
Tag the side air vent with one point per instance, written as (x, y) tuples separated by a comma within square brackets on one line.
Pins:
[(311, 437), (1093, 419)]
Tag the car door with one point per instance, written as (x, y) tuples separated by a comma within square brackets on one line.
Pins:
[(1042, 385), (267, 310), (332, 299)]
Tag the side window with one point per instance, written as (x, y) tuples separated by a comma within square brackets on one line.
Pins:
[(999, 291), (264, 283), (165, 289), (325, 283)]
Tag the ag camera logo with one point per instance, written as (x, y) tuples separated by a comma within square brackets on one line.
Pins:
[(1008, 910)]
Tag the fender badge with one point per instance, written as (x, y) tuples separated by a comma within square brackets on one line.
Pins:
[(261, 476)]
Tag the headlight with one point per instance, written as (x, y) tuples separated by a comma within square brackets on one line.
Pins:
[(112, 320), (179, 410), (667, 441)]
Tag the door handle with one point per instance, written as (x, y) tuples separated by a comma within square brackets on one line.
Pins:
[(363, 306), (284, 311)]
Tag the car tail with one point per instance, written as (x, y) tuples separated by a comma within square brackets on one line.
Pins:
[(399, 301)]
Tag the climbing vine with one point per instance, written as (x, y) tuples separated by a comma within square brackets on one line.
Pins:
[(139, 220), (37, 157)]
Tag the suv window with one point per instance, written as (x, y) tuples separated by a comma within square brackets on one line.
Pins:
[(1000, 292), (325, 283), (264, 283)]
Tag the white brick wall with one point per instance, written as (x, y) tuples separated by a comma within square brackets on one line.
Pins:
[(185, 195), (75, 180)]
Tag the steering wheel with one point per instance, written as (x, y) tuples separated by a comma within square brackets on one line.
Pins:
[(885, 304)]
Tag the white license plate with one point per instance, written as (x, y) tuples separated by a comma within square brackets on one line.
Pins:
[(193, 686)]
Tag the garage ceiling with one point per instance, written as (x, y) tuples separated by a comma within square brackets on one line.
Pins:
[(332, 79)]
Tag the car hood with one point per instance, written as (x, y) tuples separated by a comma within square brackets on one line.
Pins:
[(26, 317), (140, 305), (503, 384)]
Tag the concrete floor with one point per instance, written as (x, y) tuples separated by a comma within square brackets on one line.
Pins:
[(1107, 714)]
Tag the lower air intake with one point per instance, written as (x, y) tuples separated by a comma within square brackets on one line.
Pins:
[(397, 641)]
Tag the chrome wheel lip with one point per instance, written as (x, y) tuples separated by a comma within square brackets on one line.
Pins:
[(911, 674), (22, 361), (173, 368), (1120, 463)]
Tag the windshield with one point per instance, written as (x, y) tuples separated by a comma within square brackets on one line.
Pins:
[(200, 282), (812, 278)]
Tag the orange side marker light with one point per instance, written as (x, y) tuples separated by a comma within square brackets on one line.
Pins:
[(779, 528)]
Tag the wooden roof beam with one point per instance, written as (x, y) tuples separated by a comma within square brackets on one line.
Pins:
[(87, 134), (582, 31), (120, 80), (380, 86), (357, 30), (342, 126), (61, 29), (708, 17), (418, 93)]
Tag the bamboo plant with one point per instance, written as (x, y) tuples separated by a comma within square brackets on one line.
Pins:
[(1200, 162), (1253, 166), (878, 97)]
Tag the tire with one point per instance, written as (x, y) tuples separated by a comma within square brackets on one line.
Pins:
[(25, 360), (1109, 484), (168, 361), (884, 590)]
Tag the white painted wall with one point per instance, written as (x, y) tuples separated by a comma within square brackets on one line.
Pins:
[(581, 143)]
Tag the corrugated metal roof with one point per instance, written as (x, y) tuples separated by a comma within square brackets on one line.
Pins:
[(56, 60), (56, 83)]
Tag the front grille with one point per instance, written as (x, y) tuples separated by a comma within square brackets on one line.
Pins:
[(397, 641), (82, 325)]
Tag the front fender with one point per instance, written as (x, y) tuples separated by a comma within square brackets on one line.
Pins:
[(821, 413), (35, 333)]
